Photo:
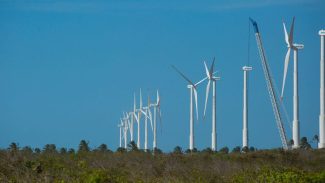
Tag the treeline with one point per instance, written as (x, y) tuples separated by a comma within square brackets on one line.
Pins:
[(84, 147), (100, 164)]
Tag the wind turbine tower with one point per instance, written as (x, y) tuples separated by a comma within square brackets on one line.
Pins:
[(321, 143), (245, 107), (295, 47), (125, 130), (120, 126), (213, 79), (131, 115), (156, 108), (138, 118), (146, 112)]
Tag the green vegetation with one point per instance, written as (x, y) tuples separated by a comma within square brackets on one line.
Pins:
[(133, 165)]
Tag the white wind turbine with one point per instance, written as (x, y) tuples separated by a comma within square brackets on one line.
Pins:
[(295, 47), (120, 125), (156, 108), (193, 90), (138, 118), (131, 115), (213, 79), (137, 115), (125, 129), (146, 112)]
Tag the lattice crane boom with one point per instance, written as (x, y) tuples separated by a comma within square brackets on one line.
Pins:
[(270, 87)]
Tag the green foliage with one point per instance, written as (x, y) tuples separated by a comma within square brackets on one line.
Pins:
[(121, 150), (208, 150), (63, 150), (49, 148), (245, 149), (236, 149), (102, 148), (71, 151), (132, 146), (277, 165), (280, 175), (37, 150), (83, 146), (252, 149), (224, 150), (304, 143), (157, 151), (13, 147), (178, 150)]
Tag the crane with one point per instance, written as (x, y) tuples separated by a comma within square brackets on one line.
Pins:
[(270, 86)]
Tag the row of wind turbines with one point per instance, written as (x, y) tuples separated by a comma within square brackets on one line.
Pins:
[(212, 79), (128, 119)]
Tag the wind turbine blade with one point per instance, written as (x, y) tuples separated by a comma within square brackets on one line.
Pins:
[(139, 116), (135, 116), (212, 67), (206, 98), (196, 105), (134, 103), (286, 63), (286, 34), (150, 119), (160, 119), (291, 31), (179, 72), (140, 99), (206, 70), (158, 99), (204, 79), (144, 113)]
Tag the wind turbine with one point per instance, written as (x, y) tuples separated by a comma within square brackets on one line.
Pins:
[(146, 111), (156, 107), (120, 126), (138, 117), (321, 143), (295, 47), (213, 79), (125, 130), (245, 107), (193, 90), (131, 115)]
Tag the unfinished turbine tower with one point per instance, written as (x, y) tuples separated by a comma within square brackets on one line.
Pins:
[(245, 106), (321, 143), (295, 47)]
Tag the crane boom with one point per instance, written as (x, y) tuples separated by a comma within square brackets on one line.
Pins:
[(270, 88)]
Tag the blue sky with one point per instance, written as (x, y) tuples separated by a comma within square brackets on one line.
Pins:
[(68, 69)]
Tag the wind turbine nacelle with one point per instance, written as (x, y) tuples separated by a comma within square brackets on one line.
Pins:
[(217, 78), (321, 32), (247, 68), (298, 46)]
